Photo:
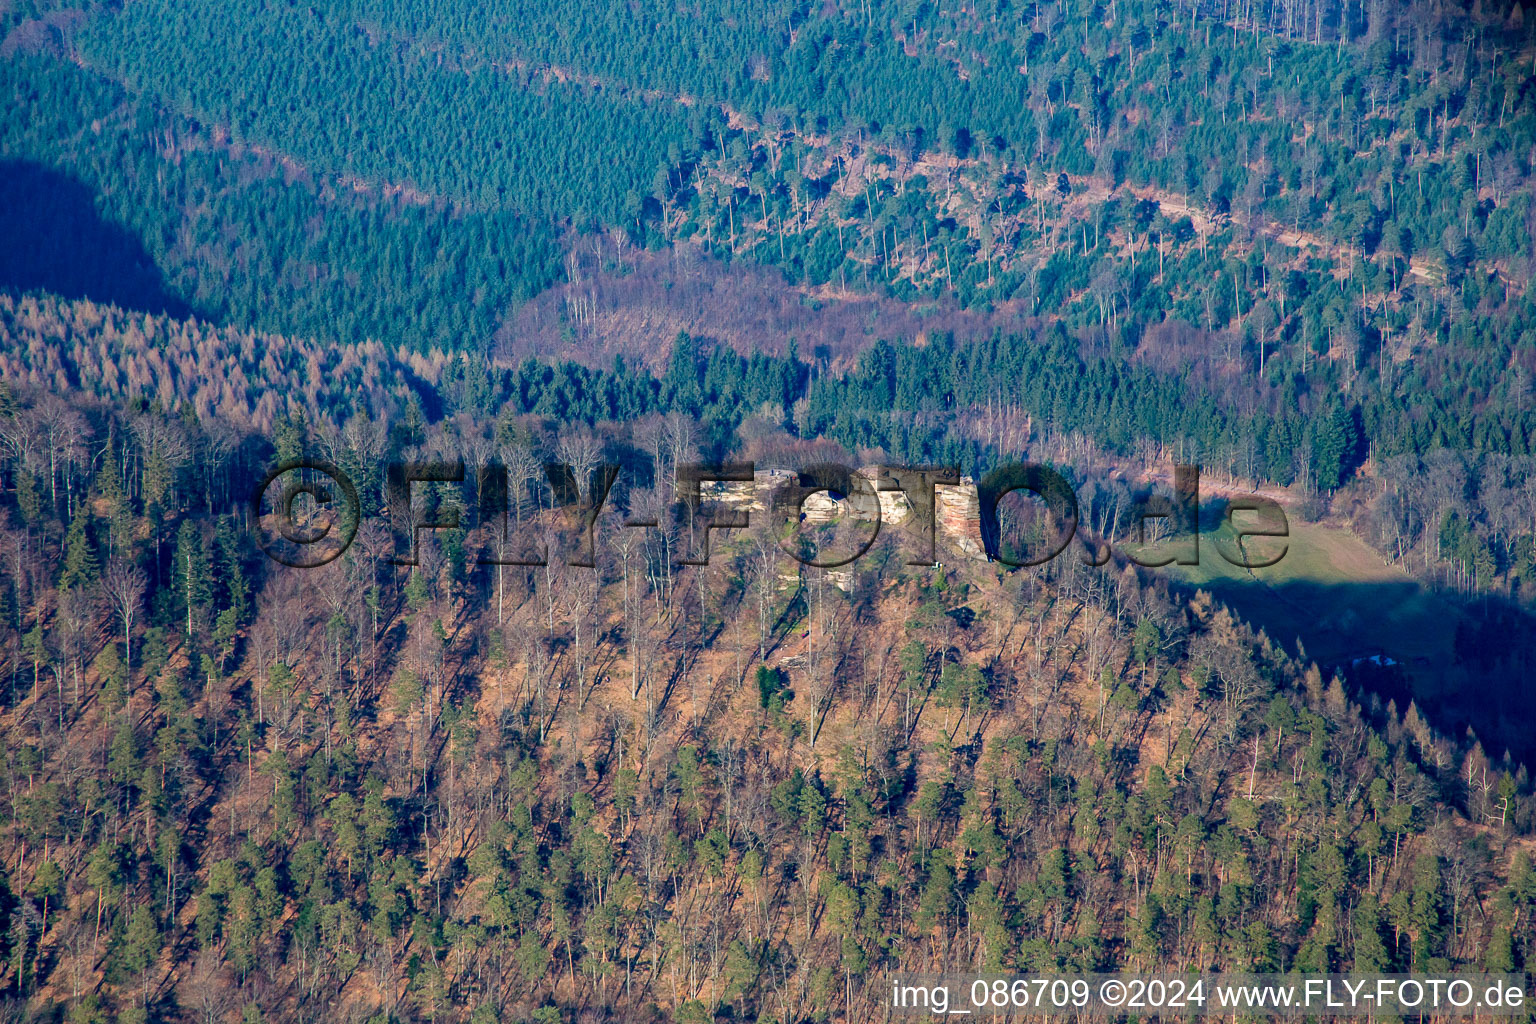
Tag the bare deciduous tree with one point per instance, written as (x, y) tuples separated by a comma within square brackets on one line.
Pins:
[(124, 584)]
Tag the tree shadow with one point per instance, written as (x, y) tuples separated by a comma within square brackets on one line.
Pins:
[(1466, 662), (53, 238)]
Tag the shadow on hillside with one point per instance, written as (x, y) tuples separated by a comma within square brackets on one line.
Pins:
[(53, 238), (1463, 662)]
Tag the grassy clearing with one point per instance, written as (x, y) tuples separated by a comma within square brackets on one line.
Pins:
[(1331, 592)]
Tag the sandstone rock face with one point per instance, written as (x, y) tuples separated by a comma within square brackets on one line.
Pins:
[(959, 513)]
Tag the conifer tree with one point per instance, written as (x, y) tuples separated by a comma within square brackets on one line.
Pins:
[(81, 567), (190, 566)]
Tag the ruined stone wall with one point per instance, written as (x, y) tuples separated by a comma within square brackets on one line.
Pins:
[(957, 507)]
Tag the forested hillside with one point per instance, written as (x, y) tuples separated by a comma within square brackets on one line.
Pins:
[(1290, 242), (239, 234), (450, 791), (1285, 201)]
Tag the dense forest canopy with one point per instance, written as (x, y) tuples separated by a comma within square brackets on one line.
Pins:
[(1288, 241), (648, 790), (1329, 200)]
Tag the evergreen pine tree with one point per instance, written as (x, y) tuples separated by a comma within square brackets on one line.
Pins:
[(81, 567), (189, 567)]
